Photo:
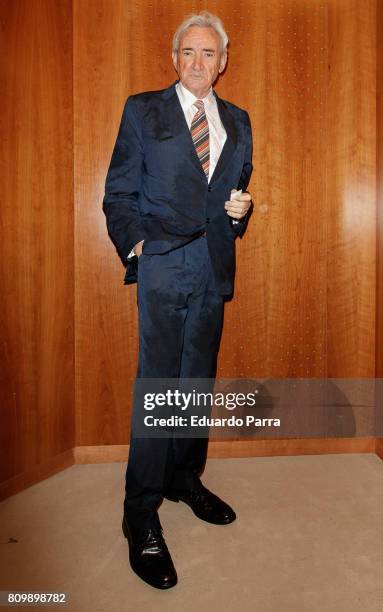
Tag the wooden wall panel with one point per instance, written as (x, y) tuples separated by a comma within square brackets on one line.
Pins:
[(379, 220), (276, 324), (379, 185), (36, 247), (305, 291), (351, 189), (105, 313)]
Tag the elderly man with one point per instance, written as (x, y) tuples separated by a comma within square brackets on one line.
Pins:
[(175, 201)]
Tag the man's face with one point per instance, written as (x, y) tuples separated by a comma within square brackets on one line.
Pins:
[(199, 60)]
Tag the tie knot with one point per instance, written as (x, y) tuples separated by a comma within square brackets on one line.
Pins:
[(199, 104)]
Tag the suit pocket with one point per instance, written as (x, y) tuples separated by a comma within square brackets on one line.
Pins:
[(164, 137), (154, 136)]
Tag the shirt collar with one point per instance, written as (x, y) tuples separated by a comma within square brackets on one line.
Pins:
[(187, 99)]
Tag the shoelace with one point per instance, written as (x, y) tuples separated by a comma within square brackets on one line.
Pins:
[(153, 541), (198, 494)]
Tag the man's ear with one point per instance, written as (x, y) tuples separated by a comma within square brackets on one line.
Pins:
[(222, 62), (175, 58)]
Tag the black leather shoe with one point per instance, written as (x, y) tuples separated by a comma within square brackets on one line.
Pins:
[(205, 505), (149, 556)]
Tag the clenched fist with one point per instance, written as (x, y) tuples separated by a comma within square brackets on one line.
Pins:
[(238, 207)]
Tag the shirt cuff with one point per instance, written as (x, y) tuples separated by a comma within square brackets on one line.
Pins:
[(132, 253)]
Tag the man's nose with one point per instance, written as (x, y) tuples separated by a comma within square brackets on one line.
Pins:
[(197, 63)]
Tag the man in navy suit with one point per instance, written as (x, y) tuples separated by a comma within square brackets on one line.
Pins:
[(181, 155)]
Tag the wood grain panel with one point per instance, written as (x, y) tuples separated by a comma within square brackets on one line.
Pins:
[(379, 224), (379, 195), (305, 290), (351, 189), (105, 312), (276, 324), (36, 250)]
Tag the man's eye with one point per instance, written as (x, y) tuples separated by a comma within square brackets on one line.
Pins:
[(209, 54)]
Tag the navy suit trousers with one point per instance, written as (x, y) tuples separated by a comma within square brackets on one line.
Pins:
[(180, 324)]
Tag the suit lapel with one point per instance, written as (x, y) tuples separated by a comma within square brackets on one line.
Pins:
[(231, 140)]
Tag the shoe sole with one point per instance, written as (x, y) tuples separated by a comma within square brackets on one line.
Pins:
[(157, 585)]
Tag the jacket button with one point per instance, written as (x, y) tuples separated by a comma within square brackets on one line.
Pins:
[(209, 188), (207, 219)]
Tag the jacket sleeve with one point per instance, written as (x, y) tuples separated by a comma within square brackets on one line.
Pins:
[(123, 185), (247, 170), (247, 166)]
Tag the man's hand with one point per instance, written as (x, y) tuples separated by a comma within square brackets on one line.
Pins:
[(238, 207), (138, 248)]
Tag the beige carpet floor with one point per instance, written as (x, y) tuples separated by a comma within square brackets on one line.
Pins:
[(308, 537)]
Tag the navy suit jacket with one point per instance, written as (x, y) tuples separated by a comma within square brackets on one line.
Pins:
[(157, 191)]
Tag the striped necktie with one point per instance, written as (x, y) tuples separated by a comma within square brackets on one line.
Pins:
[(200, 134)]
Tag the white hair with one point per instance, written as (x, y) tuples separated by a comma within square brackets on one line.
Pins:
[(204, 19)]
